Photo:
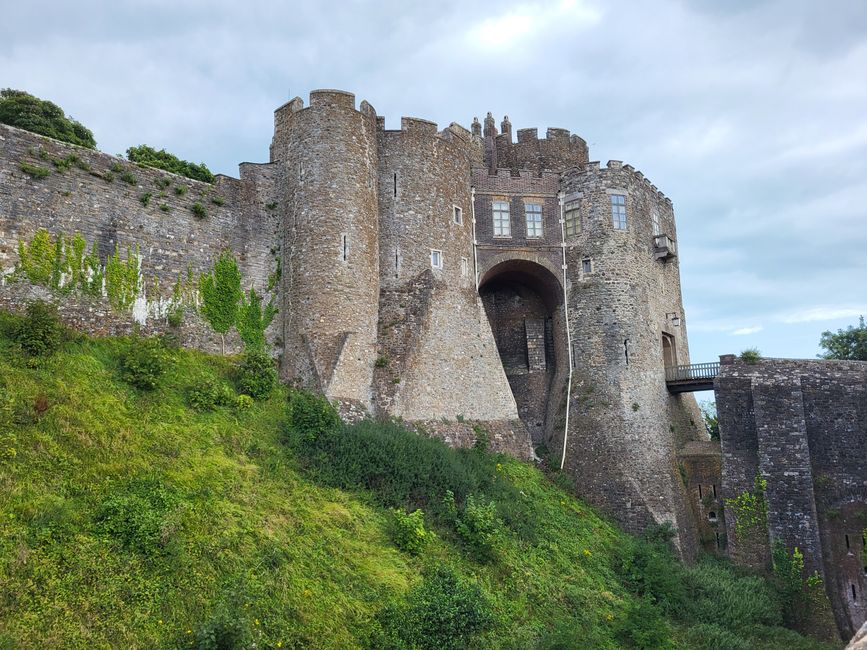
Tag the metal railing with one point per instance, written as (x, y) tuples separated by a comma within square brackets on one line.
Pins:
[(693, 372)]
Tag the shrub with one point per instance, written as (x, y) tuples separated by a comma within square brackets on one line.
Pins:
[(707, 636), (221, 293), (34, 171), (381, 362), (244, 403), (443, 612), (400, 467), (145, 199), (253, 320), (643, 627), (751, 356), (138, 516), (218, 200), (24, 111), (648, 568), (39, 333), (198, 210), (255, 376), (408, 531), (143, 362), (225, 630), (129, 178), (164, 207), (180, 190), (208, 393), (311, 416), (478, 525), (145, 155)]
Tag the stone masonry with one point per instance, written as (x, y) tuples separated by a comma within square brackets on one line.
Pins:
[(459, 279)]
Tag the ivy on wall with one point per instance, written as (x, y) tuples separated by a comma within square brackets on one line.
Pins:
[(62, 263), (750, 510)]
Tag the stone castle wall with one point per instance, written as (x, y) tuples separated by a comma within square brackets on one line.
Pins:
[(802, 426), (90, 197)]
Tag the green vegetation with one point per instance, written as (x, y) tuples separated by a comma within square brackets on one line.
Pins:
[(849, 343), (34, 171), (149, 157), (253, 320), (751, 510), (198, 210), (132, 518), (23, 110), (711, 420), (221, 293), (129, 178), (751, 356), (145, 198), (181, 190), (218, 200)]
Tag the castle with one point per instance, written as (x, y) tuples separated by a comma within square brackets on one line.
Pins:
[(463, 280)]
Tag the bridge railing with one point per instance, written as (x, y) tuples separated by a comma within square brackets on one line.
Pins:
[(692, 372)]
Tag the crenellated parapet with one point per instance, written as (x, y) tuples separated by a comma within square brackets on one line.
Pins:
[(558, 150)]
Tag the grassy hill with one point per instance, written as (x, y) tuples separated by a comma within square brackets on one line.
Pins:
[(130, 519)]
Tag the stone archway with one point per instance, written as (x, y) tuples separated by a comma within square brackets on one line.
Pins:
[(524, 304)]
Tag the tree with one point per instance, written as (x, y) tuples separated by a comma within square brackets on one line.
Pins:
[(23, 110), (162, 159), (711, 420), (849, 343), (253, 320), (221, 293)]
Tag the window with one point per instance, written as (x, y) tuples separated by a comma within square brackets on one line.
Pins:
[(459, 215), (502, 220), (345, 248), (534, 220), (436, 259), (395, 184), (573, 218), (465, 267), (586, 265), (618, 211), (654, 220)]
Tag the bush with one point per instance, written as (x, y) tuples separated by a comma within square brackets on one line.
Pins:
[(751, 356), (39, 333), (225, 630), (256, 376), (244, 403), (408, 532), (400, 467), (143, 362), (129, 178), (208, 393), (644, 628), (707, 636), (311, 416), (442, 613), (477, 524), (24, 111), (648, 569), (198, 210), (149, 157), (138, 517)]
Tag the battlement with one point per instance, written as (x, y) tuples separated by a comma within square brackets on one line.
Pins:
[(617, 166)]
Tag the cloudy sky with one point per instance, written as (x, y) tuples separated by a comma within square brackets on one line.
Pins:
[(750, 116)]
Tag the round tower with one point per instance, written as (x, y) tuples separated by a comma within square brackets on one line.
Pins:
[(627, 326), (327, 156)]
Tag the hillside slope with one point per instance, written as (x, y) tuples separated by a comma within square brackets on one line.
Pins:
[(130, 520)]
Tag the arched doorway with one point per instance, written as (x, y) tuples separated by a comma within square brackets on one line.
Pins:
[(523, 301)]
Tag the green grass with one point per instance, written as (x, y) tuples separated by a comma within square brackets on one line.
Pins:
[(129, 520)]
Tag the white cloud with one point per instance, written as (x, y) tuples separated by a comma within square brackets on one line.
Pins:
[(743, 331)]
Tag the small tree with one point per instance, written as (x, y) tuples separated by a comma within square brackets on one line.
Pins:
[(23, 110), (253, 320), (849, 343), (221, 293), (711, 420)]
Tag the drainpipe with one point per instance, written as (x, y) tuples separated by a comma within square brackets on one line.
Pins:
[(475, 253), (568, 332)]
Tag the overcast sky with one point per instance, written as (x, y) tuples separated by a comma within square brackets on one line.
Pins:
[(750, 116)]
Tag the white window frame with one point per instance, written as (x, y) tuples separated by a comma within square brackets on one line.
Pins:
[(502, 225), (465, 267), (654, 222), (537, 224), (436, 258), (572, 217), (618, 211), (458, 215)]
